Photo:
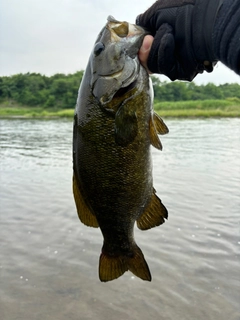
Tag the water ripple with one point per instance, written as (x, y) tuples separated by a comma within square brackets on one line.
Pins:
[(49, 260)]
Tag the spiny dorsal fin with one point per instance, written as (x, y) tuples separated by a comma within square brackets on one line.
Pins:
[(85, 214), (154, 214)]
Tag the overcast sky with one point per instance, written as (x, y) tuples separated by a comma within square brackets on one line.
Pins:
[(57, 36)]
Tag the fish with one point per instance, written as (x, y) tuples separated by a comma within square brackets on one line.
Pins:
[(114, 127)]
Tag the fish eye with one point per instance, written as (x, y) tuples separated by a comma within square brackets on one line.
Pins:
[(99, 47)]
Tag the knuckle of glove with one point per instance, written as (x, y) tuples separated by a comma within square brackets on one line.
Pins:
[(163, 58), (166, 21), (153, 19), (166, 8)]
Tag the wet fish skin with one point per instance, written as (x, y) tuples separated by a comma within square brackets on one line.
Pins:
[(114, 126)]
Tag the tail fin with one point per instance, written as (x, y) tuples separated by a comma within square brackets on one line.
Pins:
[(111, 267)]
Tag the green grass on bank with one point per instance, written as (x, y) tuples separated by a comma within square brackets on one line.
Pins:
[(204, 108), (199, 108), (17, 111)]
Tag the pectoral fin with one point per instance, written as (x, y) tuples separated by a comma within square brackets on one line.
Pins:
[(156, 126), (126, 126), (154, 214), (85, 214)]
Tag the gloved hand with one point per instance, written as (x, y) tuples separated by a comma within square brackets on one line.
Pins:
[(182, 31)]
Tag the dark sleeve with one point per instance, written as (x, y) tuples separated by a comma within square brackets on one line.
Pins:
[(226, 35)]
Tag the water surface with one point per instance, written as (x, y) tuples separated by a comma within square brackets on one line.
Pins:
[(49, 260)]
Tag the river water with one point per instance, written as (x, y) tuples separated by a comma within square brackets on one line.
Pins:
[(49, 260)]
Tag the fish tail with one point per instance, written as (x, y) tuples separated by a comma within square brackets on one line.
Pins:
[(138, 265), (112, 267)]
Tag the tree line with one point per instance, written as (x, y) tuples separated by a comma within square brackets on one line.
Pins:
[(60, 91), (33, 89), (185, 91)]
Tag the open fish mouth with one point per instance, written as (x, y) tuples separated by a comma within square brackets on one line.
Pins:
[(122, 29)]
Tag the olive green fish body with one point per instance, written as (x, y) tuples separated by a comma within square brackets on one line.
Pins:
[(114, 126)]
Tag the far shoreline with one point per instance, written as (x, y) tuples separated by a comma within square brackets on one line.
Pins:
[(229, 108)]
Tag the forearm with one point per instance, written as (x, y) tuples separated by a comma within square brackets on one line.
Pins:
[(226, 35)]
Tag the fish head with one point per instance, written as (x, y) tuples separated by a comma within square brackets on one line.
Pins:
[(114, 60)]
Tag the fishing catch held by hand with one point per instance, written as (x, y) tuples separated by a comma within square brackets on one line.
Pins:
[(114, 127)]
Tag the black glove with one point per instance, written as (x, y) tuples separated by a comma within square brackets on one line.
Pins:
[(182, 31)]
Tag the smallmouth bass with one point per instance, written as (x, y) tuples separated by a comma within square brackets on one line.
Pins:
[(114, 127)]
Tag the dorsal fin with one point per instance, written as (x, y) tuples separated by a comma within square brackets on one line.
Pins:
[(156, 126), (154, 214), (159, 124), (155, 141)]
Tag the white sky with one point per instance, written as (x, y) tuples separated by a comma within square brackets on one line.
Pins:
[(57, 36)]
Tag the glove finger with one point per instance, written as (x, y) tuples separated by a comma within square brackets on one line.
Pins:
[(163, 57), (162, 54), (161, 11)]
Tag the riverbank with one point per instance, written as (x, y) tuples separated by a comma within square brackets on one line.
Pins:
[(184, 109), (199, 108), (17, 111)]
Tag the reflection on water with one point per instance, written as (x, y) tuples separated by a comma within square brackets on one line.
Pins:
[(49, 260)]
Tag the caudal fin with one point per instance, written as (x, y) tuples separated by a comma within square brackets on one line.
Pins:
[(111, 267)]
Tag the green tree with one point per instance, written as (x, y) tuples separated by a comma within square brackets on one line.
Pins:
[(61, 90)]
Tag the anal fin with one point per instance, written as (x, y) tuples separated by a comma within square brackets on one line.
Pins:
[(85, 214), (154, 214)]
